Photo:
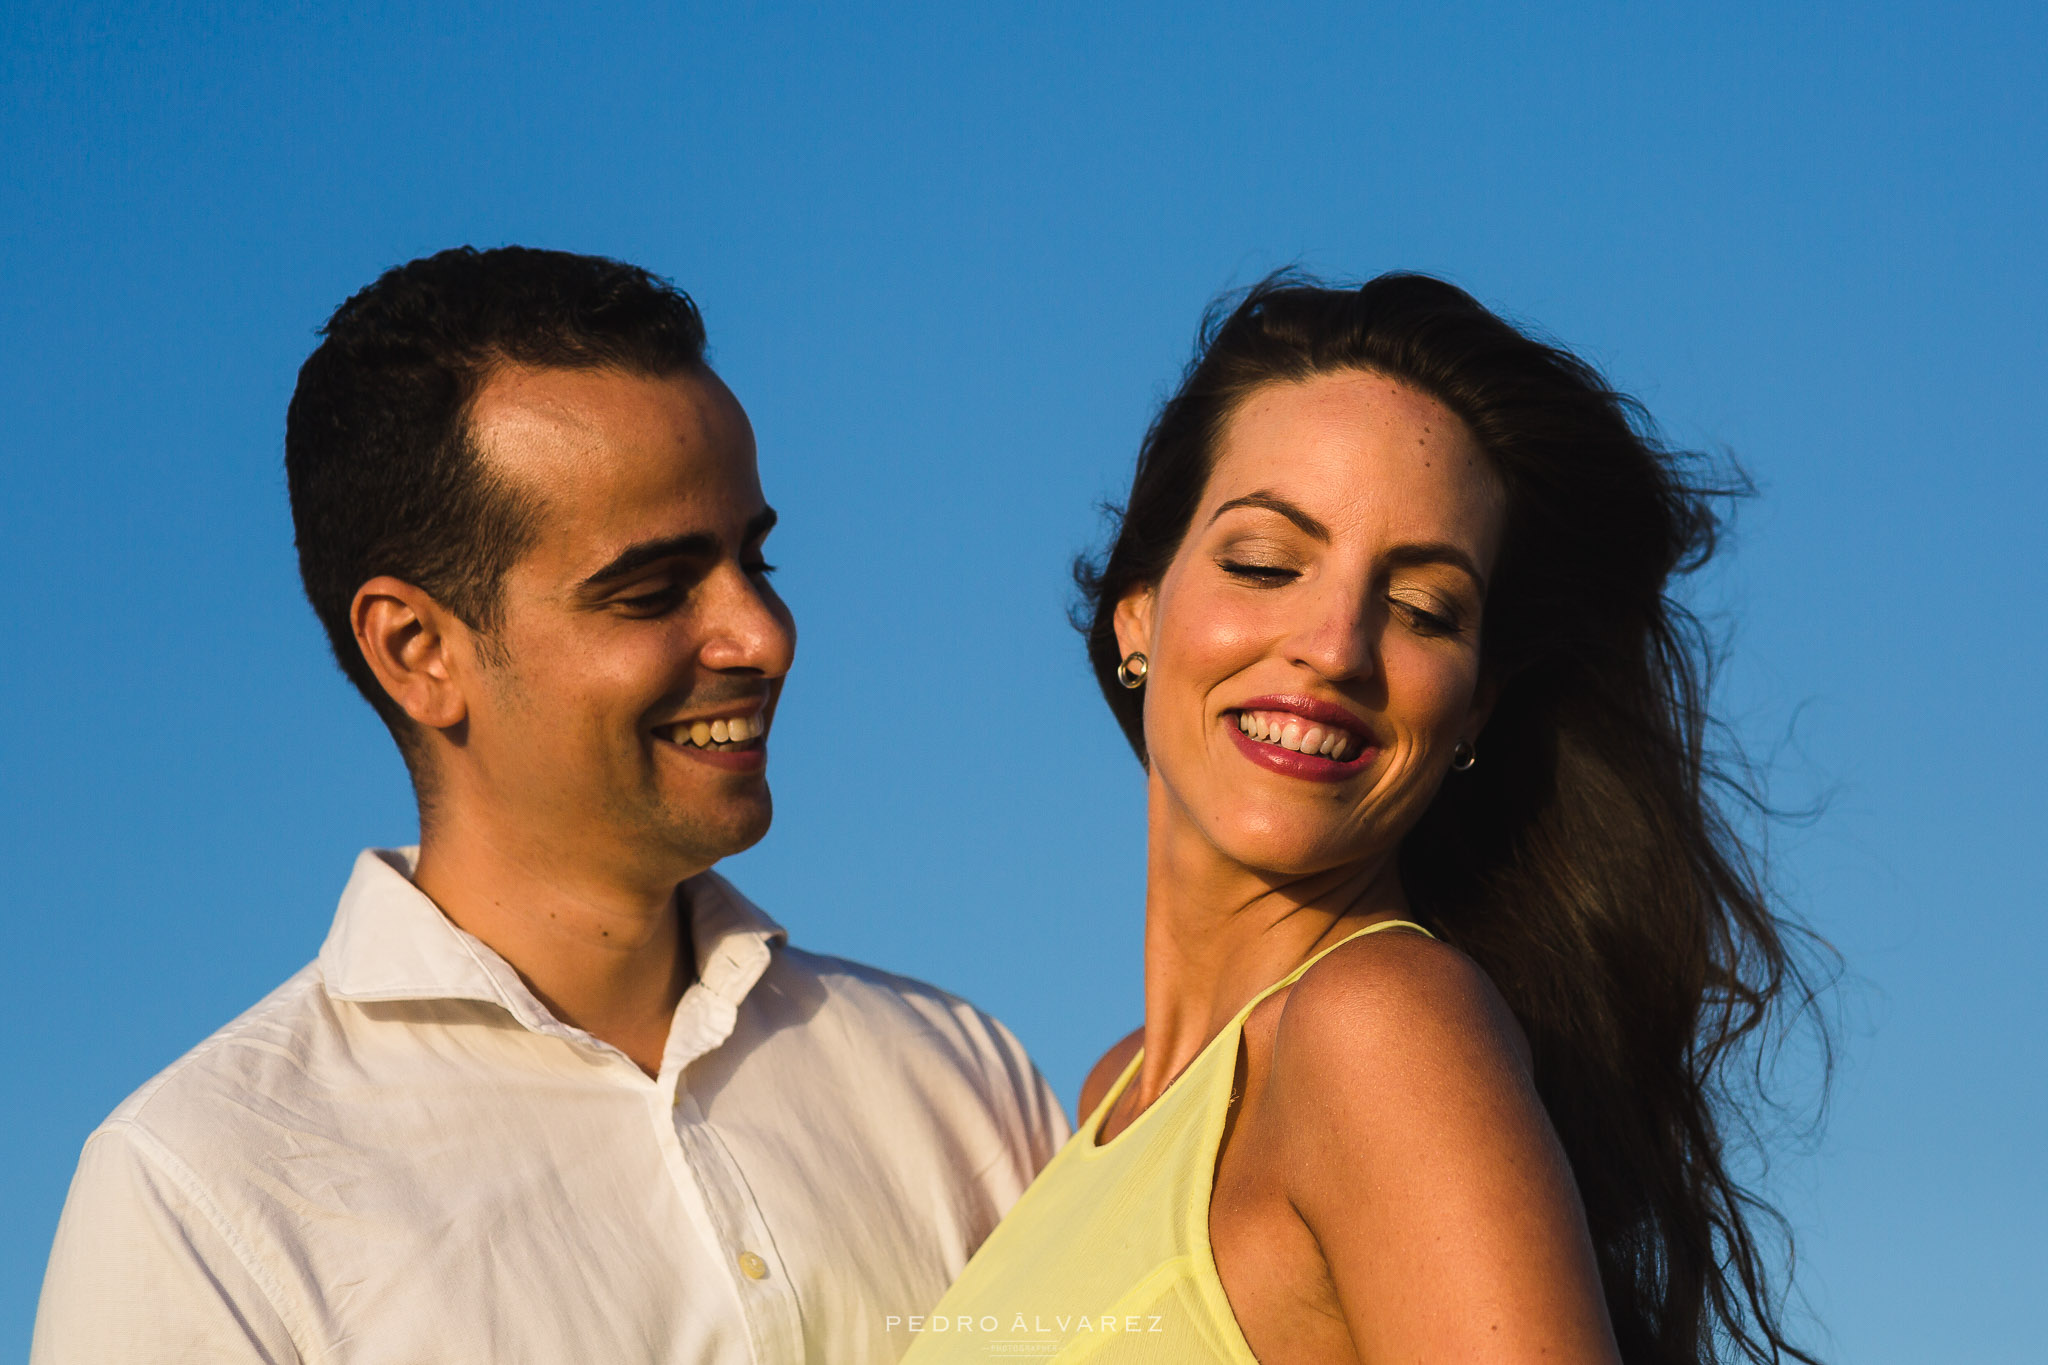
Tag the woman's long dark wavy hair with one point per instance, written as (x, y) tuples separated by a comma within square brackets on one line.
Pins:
[(1587, 863)]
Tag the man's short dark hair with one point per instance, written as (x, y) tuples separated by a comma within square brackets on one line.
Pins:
[(384, 473)]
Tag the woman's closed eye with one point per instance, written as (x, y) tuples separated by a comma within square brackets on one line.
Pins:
[(1425, 617), (1262, 575)]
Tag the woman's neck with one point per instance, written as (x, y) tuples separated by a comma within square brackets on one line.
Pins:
[(1217, 933)]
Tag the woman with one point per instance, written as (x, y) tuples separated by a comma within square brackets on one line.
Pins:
[(1446, 943)]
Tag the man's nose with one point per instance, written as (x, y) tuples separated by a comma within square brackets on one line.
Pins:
[(748, 629)]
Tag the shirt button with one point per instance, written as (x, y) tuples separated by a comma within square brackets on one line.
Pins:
[(752, 1266)]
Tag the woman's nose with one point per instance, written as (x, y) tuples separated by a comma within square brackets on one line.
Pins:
[(1338, 635)]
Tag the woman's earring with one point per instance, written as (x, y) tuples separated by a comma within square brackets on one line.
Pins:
[(1462, 757), (1131, 672)]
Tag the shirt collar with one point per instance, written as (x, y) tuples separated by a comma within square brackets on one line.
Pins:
[(390, 942)]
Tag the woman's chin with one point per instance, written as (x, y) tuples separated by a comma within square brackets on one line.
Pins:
[(1291, 852)]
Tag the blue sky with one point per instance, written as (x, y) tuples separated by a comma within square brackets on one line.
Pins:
[(951, 256)]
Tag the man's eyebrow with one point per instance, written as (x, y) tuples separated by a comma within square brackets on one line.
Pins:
[(691, 545), (1273, 502), (632, 559)]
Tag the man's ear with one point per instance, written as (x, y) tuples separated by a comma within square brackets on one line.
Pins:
[(406, 638), (1133, 621)]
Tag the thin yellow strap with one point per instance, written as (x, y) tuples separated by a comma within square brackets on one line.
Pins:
[(1298, 972), (1391, 924)]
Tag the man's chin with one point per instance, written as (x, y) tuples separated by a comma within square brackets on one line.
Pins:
[(704, 841)]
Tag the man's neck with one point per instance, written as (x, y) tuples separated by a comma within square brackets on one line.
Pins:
[(607, 956)]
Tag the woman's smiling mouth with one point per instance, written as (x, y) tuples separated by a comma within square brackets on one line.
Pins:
[(1302, 737), (1291, 732)]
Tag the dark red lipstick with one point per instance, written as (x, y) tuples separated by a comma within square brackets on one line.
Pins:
[(1311, 711)]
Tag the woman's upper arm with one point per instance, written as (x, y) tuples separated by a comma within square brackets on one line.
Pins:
[(1419, 1155)]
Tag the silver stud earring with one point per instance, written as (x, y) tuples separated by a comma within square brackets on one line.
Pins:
[(1131, 672)]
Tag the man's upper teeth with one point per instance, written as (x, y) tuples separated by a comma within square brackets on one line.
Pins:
[(1290, 731), (734, 730)]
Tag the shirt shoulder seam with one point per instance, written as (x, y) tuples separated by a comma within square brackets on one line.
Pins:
[(193, 1190), (130, 1110)]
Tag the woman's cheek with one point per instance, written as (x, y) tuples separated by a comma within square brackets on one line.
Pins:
[(1222, 636), (1430, 690)]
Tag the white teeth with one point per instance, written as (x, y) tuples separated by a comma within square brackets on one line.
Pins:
[(700, 734), (1298, 735), (720, 732)]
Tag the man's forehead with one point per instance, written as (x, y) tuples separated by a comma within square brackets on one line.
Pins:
[(517, 406), (543, 418), (609, 458)]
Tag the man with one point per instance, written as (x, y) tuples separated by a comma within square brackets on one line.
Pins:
[(553, 1091)]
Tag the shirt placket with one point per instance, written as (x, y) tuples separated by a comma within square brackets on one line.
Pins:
[(743, 1245), (707, 1176)]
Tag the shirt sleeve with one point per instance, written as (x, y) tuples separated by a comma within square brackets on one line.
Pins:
[(142, 1270)]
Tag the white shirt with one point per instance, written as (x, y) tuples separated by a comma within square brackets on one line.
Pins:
[(400, 1156)]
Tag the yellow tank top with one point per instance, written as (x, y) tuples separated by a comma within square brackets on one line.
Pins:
[(1106, 1257)]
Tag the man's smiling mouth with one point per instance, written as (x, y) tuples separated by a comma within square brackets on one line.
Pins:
[(724, 735), (1291, 732)]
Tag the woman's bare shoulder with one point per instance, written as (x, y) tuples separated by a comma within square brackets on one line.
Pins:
[(1397, 1038), (1392, 1000), (1402, 1104), (1105, 1072)]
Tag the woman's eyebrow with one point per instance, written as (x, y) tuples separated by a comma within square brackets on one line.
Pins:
[(1420, 552), (1438, 552), (1273, 502)]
